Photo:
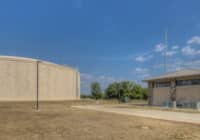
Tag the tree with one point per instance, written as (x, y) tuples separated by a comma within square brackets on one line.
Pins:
[(96, 90), (112, 90), (126, 89), (137, 92), (144, 93)]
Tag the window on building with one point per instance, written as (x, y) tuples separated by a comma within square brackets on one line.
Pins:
[(161, 84), (188, 82)]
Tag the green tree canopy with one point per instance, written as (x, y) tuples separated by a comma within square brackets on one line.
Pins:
[(112, 90), (126, 89), (96, 90)]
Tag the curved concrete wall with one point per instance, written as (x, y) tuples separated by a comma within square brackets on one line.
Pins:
[(18, 80)]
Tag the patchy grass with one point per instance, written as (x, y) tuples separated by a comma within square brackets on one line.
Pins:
[(57, 120)]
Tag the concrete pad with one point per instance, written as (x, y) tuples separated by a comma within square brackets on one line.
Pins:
[(193, 118)]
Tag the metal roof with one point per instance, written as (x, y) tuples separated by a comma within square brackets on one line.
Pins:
[(176, 74)]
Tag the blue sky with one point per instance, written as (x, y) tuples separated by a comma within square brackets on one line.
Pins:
[(107, 40)]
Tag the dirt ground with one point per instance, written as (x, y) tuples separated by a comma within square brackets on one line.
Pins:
[(59, 121), (126, 109)]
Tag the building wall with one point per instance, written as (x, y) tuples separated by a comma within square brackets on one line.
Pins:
[(160, 95), (18, 81), (182, 93), (150, 96), (188, 93), (56, 83)]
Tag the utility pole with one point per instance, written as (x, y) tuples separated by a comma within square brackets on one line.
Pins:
[(165, 51)]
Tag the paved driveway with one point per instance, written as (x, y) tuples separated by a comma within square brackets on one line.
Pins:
[(193, 118)]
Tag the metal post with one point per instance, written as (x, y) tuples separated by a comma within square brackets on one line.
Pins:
[(37, 87)]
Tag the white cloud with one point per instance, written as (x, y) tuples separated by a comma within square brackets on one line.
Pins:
[(159, 47), (174, 66), (192, 64), (143, 58), (145, 75), (189, 50), (178, 64), (194, 40), (175, 47), (181, 63), (140, 58), (171, 53), (141, 70)]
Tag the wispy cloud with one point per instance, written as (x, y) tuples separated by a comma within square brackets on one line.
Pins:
[(194, 40), (189, 50), (193, 46), (183, 58), (142, 72), (171, 52), (143, 58), (159, 47), (178, 64), (175, 47)]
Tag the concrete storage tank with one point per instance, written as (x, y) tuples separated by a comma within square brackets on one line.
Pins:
[(22, 79)]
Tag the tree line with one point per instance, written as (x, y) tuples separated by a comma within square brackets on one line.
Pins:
[(117, 90)]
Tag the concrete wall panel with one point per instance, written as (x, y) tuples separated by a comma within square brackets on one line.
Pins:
[(18, 80), (161, 95), (56, 83), (188, 93)]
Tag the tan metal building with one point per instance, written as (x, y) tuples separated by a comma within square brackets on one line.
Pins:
[(25, 79), (180, 86)]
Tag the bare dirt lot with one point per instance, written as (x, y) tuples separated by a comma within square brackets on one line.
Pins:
[(59, 121), (126, 109)]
